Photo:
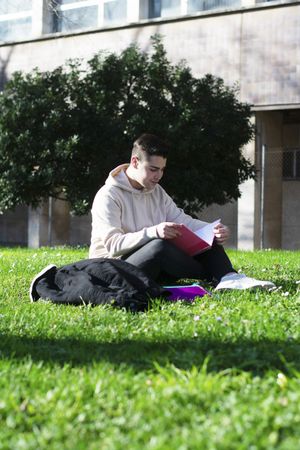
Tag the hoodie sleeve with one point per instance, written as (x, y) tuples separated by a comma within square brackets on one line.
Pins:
[(107, 231)]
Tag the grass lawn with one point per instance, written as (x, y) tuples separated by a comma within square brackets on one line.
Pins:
[(223, 373)]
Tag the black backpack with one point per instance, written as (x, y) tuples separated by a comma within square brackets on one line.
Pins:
[(96, 281)]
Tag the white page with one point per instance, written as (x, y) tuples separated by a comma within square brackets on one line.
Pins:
[(207, 232)]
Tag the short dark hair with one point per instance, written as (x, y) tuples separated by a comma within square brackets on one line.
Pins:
[(150, 145)]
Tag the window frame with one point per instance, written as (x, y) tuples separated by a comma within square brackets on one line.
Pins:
[(59, 10), (14, 16), (295, 152), (101, 22)]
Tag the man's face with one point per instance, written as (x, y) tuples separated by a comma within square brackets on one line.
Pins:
[(148, 173)]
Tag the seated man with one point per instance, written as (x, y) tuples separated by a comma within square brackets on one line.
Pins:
[(133, 218)]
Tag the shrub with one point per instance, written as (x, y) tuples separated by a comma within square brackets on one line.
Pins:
[(62, 131)]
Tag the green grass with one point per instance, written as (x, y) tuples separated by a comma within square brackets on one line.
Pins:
[(223, 373)]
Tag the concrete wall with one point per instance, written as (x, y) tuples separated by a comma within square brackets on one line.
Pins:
[(269, 126), (80, 230), (291, 215), (49, 224), (246, 207), (256, 47), (270, 56), (13, 227)]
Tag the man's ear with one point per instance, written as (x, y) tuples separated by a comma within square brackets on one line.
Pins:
[(134, 161)]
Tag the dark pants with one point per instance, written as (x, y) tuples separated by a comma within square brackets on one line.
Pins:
[(162, 258)]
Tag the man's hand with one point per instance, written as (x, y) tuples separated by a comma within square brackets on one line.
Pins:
[(221, 233), (168, 230)]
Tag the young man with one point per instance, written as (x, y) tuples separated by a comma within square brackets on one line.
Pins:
[(134, 219)]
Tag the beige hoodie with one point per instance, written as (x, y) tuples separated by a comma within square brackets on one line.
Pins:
[(124, 218)]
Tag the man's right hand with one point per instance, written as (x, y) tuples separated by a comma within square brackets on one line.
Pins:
[(168, 230)]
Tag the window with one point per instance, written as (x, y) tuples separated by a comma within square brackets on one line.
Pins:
[(115, 11), (15, 19), (169, 8), (75, 14), (81, 14), (202, 5), (14, 6), (291, 164), (164, 8)]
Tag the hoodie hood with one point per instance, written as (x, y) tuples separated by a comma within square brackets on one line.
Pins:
[(118, 178)]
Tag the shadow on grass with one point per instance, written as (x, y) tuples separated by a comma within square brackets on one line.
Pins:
[(253, 356)]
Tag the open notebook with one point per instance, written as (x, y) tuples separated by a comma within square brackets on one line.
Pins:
[(194, 242)]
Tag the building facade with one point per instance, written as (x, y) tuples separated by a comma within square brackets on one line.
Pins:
[(255, 45)]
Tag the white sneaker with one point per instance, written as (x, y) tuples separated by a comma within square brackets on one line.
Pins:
[(241, 281), (33, 294)]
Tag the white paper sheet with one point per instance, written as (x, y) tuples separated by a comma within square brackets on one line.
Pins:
[(207, 232)]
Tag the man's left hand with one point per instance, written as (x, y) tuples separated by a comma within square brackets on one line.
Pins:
[(221, 233)]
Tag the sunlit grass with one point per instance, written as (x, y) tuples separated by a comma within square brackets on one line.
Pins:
[(223, 373)]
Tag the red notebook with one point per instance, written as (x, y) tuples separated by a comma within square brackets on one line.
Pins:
[(194, 242)]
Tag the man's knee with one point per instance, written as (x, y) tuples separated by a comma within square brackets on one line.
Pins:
[(157, 251), (158, 247)]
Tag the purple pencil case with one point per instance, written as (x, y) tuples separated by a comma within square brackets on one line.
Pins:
[(185, 292)]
